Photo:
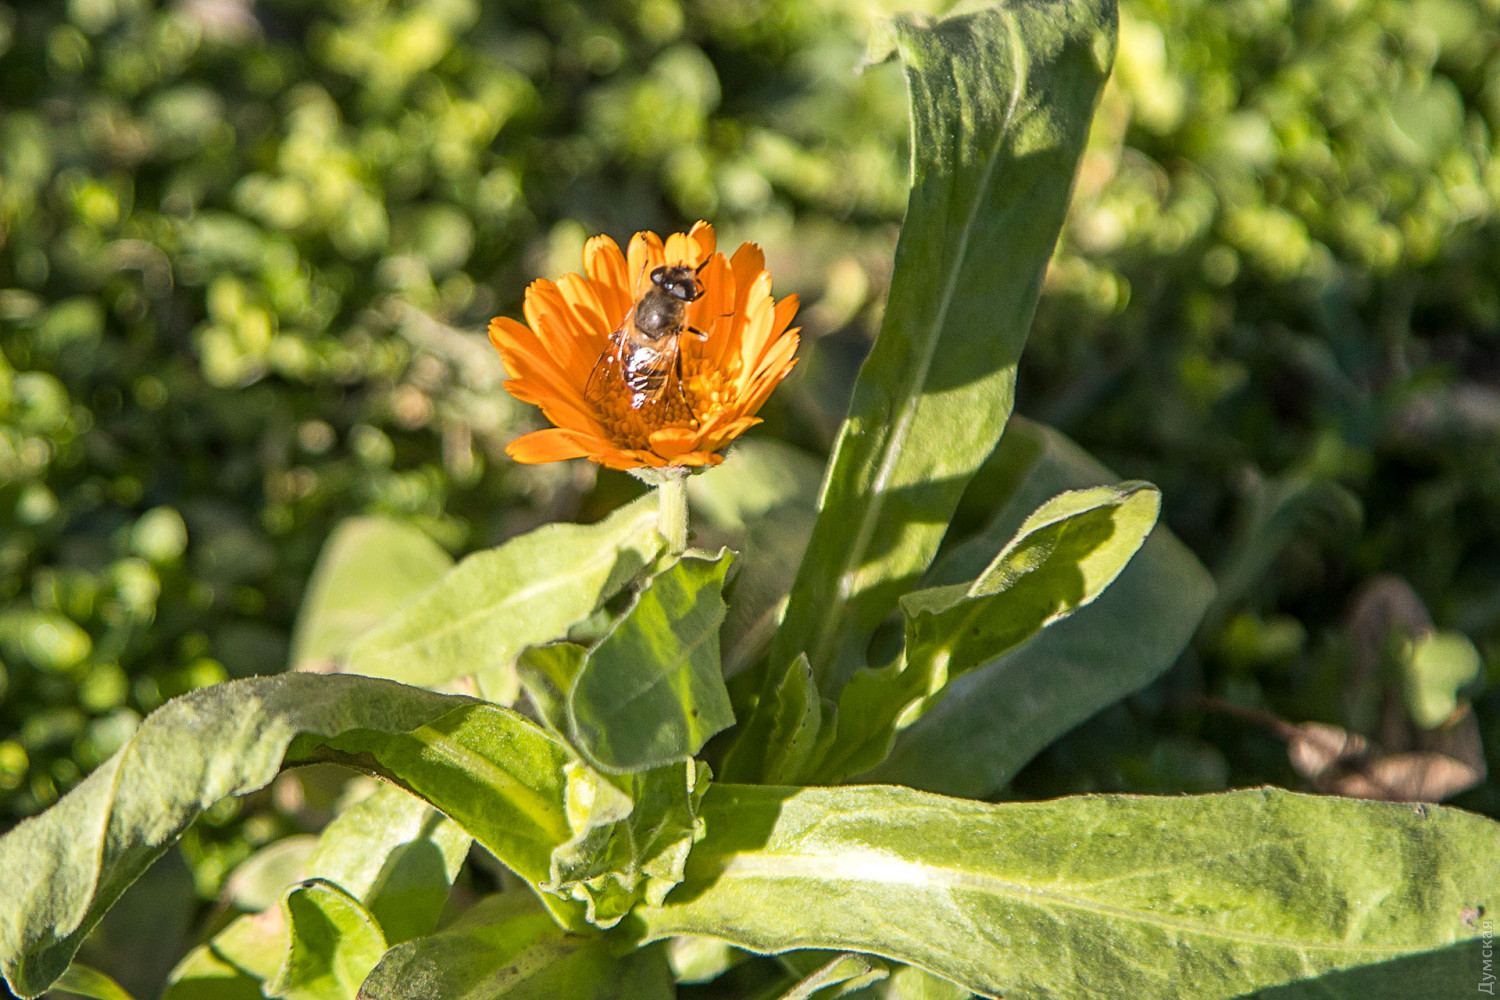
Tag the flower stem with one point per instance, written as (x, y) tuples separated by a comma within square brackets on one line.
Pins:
[(672, 514)]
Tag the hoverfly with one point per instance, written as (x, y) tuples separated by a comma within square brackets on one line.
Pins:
[(645, 352)]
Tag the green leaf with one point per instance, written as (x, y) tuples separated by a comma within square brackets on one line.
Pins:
[(507, 947), (495, 603), (758, 478), (1187, 898), (761, 502), (842, 975), (991, 722), (87, 982), (911, 983), (396, 855), (390, 851), (1063, 556), (235, 964), (1434, 667), (650, 692), (259, 881), (632, 835), (797, 724), (334, 943), (492, 771), (368, 568), (1001, 101)]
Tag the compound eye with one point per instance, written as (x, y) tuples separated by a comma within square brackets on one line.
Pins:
[(657, 277)]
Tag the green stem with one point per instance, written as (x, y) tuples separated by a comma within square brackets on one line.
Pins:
[(672, 514)]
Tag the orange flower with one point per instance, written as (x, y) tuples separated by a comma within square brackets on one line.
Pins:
[(726, 375)]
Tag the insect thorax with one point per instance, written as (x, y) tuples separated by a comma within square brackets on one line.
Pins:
[(658, 315)]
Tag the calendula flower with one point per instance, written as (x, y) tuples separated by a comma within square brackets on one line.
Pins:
[(733, 348)]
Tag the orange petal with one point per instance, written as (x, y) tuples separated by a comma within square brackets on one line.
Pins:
[(776, 355), (646, 254), (785, 310), (748, 262), (669, 442), (583, 296), (561, 330), (559, 410), (551, 445), (692, 246), (698, 458), (756, 335), (606, 269), (753, 400), (713, 312), (611, 457), (723, 435), (528, 359)]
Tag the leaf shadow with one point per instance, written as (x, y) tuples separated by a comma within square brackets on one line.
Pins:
[(739, 820), (1453, 971)]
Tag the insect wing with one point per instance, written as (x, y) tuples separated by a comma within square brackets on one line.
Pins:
[(609, 367), (650, 371)]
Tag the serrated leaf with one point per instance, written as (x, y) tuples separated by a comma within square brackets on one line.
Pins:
[(1064, 555), (334, 942), (495, 603), (1183, 898), (1001, 101), (507, 948), (495, 773), (991, 722), (368, 568), (650, 692)]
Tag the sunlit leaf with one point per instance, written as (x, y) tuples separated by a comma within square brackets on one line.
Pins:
[(490, 770), (259, 882), (368, 568), (837, 977), (83, 981), (991, 722), (650, 692), (910, 983), (507, 948), (1434, 667), (1001, 102), (761, 503), (334, 942), (495, 603), (632, 835), (390, 851), (1171, 898), (1063, 556)]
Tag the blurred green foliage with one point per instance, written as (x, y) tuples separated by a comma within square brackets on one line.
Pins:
[(1279, 299), (246, 250), (246, 253)]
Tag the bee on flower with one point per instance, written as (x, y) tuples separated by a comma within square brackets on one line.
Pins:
[(654, 358)]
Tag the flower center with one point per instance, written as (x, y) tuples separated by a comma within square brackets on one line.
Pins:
[(688, 405)]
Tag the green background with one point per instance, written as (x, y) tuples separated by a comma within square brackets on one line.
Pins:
[(248, 250)]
